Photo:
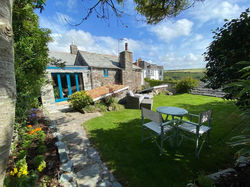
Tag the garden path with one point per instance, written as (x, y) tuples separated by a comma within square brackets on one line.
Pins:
[(87, 164)]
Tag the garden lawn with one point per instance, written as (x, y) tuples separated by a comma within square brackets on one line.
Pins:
[(117, 136)]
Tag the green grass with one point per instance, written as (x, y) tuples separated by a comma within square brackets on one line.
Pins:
[(117, 136), (180, 74)]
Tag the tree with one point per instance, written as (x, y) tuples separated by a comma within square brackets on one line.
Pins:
[(31, 56), (7, 84), (231, 45)]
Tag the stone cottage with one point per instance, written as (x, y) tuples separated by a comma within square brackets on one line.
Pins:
[(151, 71), (86, 71)]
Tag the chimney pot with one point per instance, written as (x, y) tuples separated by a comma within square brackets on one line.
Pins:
[(126, 46)]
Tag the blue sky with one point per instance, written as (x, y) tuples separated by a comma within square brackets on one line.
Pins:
[(176, 43)]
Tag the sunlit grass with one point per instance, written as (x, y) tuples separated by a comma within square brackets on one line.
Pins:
[(117, 135)]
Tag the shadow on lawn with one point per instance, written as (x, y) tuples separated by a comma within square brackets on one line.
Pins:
[(121, 148)]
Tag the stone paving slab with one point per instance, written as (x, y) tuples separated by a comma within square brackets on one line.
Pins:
[(88, 168)]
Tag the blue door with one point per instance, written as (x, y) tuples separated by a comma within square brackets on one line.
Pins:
[(65, 84)]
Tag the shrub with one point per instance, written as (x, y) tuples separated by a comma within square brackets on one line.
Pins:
[(79, 100), (153, 82), (108, 100), (89, 109), (101, 107), (116, 107), (186, 85)]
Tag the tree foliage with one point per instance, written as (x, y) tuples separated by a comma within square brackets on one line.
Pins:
[(31, 55), (231, 45)]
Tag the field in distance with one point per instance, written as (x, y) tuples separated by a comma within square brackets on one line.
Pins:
[(182, 73)]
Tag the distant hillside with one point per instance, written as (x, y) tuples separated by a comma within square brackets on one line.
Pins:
[(180, 74)]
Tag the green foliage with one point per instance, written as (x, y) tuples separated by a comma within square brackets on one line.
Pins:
[(156, 11), (186, 85), (79, 100), (205, 181), (89, 109), (243, 142), (31, 56), (153, 82), (241, 90), (100, 107), (42, 149), (230, 46), (38, 160), (24, 181), (108, 100), (116, 107)]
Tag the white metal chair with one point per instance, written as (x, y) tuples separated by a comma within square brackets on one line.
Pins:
[(199, 132), (155, 126)]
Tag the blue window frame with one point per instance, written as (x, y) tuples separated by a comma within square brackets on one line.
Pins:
[(63, 85), (105, 72)]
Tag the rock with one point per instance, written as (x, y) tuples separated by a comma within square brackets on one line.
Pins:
[(116, 184), (225, 172), (93, 154), (90, 171), (242, 161), (63, 156), (66, 166), (66, 178), (105, 183)]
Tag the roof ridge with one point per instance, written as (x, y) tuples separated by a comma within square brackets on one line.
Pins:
[(62, 52), (98, 53)]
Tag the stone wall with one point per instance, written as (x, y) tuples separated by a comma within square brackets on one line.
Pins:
[(137, 79), (114, 77), (47, 93), (201, 90)]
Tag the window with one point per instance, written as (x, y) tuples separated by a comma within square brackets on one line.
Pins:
[(105, 73)]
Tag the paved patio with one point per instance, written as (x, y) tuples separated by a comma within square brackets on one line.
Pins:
[(87, 164)]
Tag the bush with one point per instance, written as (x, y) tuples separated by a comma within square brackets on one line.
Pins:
[(186, 85), (153, 82), (108, 100), (116, 107), (79, 100), (89, 109)]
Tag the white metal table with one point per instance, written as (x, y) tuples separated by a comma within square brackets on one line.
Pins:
[(174, 112)]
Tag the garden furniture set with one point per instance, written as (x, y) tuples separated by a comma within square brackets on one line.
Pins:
[(176, 128), (136, 101)]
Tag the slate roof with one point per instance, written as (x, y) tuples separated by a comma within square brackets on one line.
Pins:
[(67, 57), (102, 60)]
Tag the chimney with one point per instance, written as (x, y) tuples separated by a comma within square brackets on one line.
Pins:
[(126, 46), (126, 58), (73, 48)]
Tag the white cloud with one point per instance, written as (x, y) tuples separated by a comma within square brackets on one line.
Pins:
[(171, 61), (167, 31), (71, 4), (87, 42), (216, 10)]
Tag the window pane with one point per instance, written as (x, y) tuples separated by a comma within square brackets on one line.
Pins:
[(80, 82), (55, 86), (64, 85), (73, 83)]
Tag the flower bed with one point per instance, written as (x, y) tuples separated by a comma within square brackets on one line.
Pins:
[(34, 160)]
